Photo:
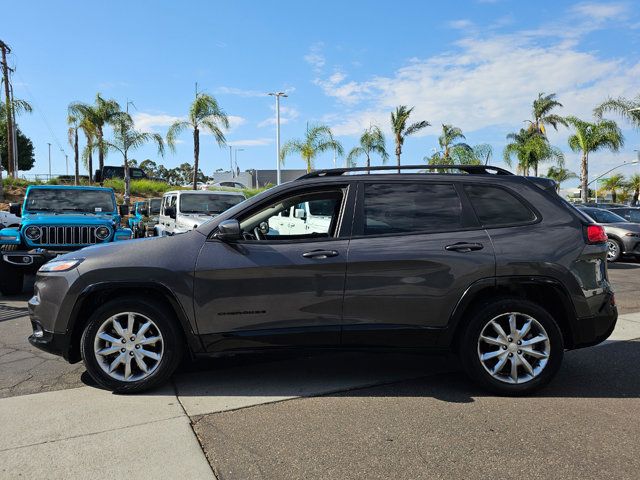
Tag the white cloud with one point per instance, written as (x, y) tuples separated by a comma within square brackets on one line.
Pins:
[(150, 122), (485, 82), (315, 57), (146, 122), (253, 142), (287, 114), (601, 11), (461, 24), (238, 92)]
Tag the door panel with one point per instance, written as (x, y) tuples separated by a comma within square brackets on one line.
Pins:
[(401, 289), (261, 294)]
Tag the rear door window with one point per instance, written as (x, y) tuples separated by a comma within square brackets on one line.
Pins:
[(393, 208), (496, 207)]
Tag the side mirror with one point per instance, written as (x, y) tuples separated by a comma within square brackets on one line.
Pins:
[(123, 210), (229, 230), (300, 213), (98, 176), (15, 209), (170, 212)]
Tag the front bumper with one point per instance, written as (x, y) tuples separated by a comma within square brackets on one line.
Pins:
[(55, 343), (32, 259)]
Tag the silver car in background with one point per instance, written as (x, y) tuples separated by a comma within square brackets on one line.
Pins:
[(624, 236)]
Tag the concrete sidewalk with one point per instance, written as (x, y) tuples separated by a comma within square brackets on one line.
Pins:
[(82, 432)]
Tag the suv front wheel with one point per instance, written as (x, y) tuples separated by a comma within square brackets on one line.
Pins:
[(512, 347), (130, 345)]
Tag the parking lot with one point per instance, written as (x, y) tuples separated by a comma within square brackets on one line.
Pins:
[(346, 415)]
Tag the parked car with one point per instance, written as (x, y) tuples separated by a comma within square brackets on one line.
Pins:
[(184, 210), (493, 266), (8, 219), (226, 184), (54, 220), (623, 237), (145, 217), (301, 219), (631, 214), (112, 171)]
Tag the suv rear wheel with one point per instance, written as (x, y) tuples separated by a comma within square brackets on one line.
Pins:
[(130, 345), (512, 347)]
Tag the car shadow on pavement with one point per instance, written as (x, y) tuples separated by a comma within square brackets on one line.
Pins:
[(599, 372)]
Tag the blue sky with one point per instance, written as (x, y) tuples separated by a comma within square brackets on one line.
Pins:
[(475, 64)]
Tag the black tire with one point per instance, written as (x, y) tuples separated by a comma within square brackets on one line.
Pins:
[(470, 355), (11, 279), (168, 326), (614, 250)]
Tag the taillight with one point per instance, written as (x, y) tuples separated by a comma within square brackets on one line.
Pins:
[(596, 234)]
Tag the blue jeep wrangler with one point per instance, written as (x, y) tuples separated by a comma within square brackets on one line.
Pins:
[(55, 220)]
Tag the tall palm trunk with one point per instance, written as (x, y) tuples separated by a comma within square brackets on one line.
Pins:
[(636, 194), (100, 154), (76, 157), (398, 153), (584, 172), (90, 163), (368, 163), (127, 180), (196, 156)]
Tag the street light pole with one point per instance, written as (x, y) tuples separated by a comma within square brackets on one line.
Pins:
[(49, 160), (634, 162), (278, 95), (236, 159), (231, 161)]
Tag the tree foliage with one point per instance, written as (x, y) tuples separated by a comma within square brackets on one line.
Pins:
[(402, 129), (318, 139), (26, 157), (530, 148), (371, 141), (627, 108)]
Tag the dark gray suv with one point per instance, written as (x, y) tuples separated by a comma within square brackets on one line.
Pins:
[(494, 266)]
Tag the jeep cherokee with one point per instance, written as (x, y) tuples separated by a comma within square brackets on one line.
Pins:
[(494, 266)]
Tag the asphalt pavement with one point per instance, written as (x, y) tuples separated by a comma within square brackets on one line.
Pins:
[(347, 415)]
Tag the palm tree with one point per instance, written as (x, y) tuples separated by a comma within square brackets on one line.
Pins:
[(560, 174), (634, 184), (628, 109), (318, 139), (74, 126), (371, 141), (204, 113), (125, 138), (401, 130), (530, 148), (452, 151), (613, 184), (18, 106), (542, 116), (591, 137), (101, 113), (87, 154)]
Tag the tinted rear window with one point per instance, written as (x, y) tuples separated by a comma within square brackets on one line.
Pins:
[(497, 207), (404, 207)]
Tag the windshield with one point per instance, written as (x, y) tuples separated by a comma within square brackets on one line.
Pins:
[(208, 204), (70, 200), (154, 206), (603, 216)]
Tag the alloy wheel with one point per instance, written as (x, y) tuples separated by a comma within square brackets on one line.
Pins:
[(514, 348), (613, 250), (128, 346)]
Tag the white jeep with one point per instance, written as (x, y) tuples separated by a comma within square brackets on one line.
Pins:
[(9, 220), (184, 210)]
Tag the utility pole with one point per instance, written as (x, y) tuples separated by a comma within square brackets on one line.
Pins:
[(49, 160), (231, 161), (14, 127), (278, 95), (235, 170), (5, 74)]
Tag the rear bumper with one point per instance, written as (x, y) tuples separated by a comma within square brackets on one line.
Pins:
[(597, 328)]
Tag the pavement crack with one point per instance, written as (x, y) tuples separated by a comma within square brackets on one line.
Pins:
[(191, 425), (88, 434)]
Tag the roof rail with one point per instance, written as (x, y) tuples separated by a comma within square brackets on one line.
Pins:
[(472, 169)]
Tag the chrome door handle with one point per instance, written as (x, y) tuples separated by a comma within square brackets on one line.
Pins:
[(320, 254), (464, 247)]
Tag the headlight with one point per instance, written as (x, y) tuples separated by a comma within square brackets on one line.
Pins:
[(33, 233), (60, 265), (102, 233)]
